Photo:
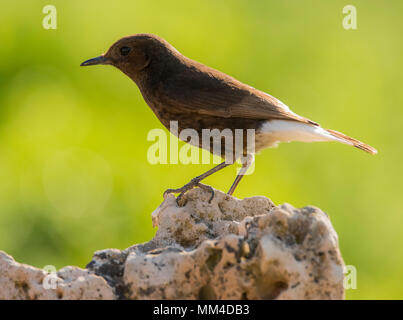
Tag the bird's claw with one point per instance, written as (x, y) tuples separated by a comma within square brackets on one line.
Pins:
[(192, 184)]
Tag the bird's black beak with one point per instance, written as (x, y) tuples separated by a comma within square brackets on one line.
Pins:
[(95, 61)]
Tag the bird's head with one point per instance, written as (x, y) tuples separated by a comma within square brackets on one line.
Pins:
[(134, 53)]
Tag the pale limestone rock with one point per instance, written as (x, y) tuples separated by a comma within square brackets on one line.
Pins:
[(226, 249), (236, 249), (20, 281)]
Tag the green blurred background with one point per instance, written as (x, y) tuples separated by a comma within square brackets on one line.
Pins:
[(74, 176)]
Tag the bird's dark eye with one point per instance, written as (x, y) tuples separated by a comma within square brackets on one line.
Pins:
[(124, 51)]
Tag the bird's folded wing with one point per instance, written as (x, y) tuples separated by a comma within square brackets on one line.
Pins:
[(223, 97)]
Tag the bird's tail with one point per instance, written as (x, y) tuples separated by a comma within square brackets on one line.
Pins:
[(351, 141)]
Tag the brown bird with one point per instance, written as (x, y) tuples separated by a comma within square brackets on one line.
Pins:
[(177, 88)]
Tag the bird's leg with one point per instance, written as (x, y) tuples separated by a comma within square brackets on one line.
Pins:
[(195, 182), (201, 186), (241, 173), (237, 180)]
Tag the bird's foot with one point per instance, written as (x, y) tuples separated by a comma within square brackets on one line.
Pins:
[(192, 184)]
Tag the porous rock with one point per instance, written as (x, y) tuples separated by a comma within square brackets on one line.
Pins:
[(223, 249), (22, 282)]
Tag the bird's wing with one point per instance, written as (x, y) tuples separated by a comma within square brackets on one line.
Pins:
[(219, 95)]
